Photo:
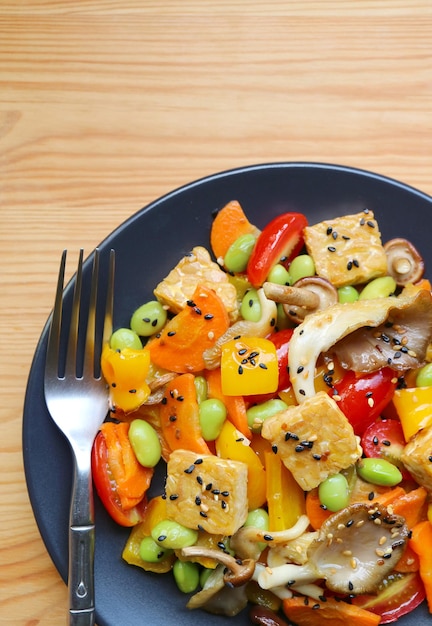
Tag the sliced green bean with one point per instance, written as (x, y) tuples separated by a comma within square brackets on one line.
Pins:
[(381, 287), (149, 318), (250, 308), (125, 338), (145, 442), (212, 415), (170, 534), (187, 576), (237, 256)]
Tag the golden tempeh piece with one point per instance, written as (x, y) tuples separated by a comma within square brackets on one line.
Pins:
[(206, 492), (347, 250), (194, 269), (313, 439), (417, 457)]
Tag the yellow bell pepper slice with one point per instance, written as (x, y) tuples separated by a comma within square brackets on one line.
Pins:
[(125, 372), (414, 408), (232, 444), (249, 366), (285, 497)]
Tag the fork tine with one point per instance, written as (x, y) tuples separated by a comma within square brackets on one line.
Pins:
[(52, 359), (89, 352), (108, 321), (71, 360)]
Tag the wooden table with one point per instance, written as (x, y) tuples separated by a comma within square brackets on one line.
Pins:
[(106, 105)]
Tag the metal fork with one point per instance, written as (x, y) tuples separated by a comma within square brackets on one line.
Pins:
[(77, 399)]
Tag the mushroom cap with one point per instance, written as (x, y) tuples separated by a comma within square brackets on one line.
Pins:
[(322, 288), (404, 262), (358, 546)]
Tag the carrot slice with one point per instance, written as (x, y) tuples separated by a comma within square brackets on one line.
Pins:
[(315, 512), (180, 345), (228, 225), (412, 506), (409, 562), (308, 612), (179, 416), (421, 543), (235, 405)]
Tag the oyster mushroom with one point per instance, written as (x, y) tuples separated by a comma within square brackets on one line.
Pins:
[(355, 549), (266, 617), (246, 328), (306, 296), (215, 597), (237, 572), (404, 262), (365, 335)]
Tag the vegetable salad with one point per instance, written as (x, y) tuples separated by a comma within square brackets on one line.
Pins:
[(284, 377)]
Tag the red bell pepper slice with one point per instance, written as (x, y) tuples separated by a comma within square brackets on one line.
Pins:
[(280, 241), (120, 481)]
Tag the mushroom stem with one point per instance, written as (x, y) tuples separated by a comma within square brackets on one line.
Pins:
[(299, 296), (239, 572), (288, 574)]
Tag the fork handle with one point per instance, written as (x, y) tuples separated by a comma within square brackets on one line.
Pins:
[(81, 575)]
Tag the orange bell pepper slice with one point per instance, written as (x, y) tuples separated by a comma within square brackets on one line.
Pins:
[(285, 497)]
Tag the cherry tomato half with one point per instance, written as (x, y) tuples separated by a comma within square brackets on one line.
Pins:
[(121, 483), (282, 238), (384, 438), (362, 397), (398, 595)]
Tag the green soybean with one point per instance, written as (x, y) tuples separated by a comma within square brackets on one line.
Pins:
[(258, 518), (200, 388), (212, 415), (424, 376), (333, 492), (283, 321), (170, 534), (379, 472), (145, 443), (300, 267), (151, 552), (250, 307), (348, 293), (187, 575), (148, 319), (381, 287), (237, 255), (125, 338), (257, 414), (205, 575), (279, 275)]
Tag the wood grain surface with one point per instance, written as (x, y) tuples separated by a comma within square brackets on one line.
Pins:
[(107, 105)]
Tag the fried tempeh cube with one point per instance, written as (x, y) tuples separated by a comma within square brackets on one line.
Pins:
[(347, 250), (417, 457), (313, 439), (206, 492)]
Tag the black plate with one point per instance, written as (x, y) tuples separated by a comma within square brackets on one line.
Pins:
[(147, 246)]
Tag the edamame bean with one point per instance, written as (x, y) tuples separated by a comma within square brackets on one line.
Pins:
[(381, 287), (283, 321), (257, 414), (200, 388), (205, 575), (145, 443), (148, 319), (125, 338), (424, 376), (212, 415), (301, 266), (379, 472), (250, 308), (237, 256), (187, 575), (151, 552), (347, 294), (258, 518), (279, 275), (170, 534), (333, 492)]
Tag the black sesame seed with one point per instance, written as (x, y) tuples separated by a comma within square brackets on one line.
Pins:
[(329, 230), (199, 480), (240, 370), (209, 486), (317, 457), (371, 495), (331, 248), (349, 523), (316, 606), (198, 462), (172, 418), (200, 527), (386, 442), (173, 496), (334, 235), (302, 392), (263, 366), (242, 351), (154, 322), (216, 492), (356, 263), (375, 441), (162, 537), (350, 585), (267, 538), (349, 265), (132, 390), (274, 448), (171, 333), (300, 369), (189, 469), (223, 504), (203, 514), (208, 316), (180, 398), (299, 448), (190, 303), (362, 221), (197, 500), (164, 400), (370, 224), (197, 310), (225, 494)]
